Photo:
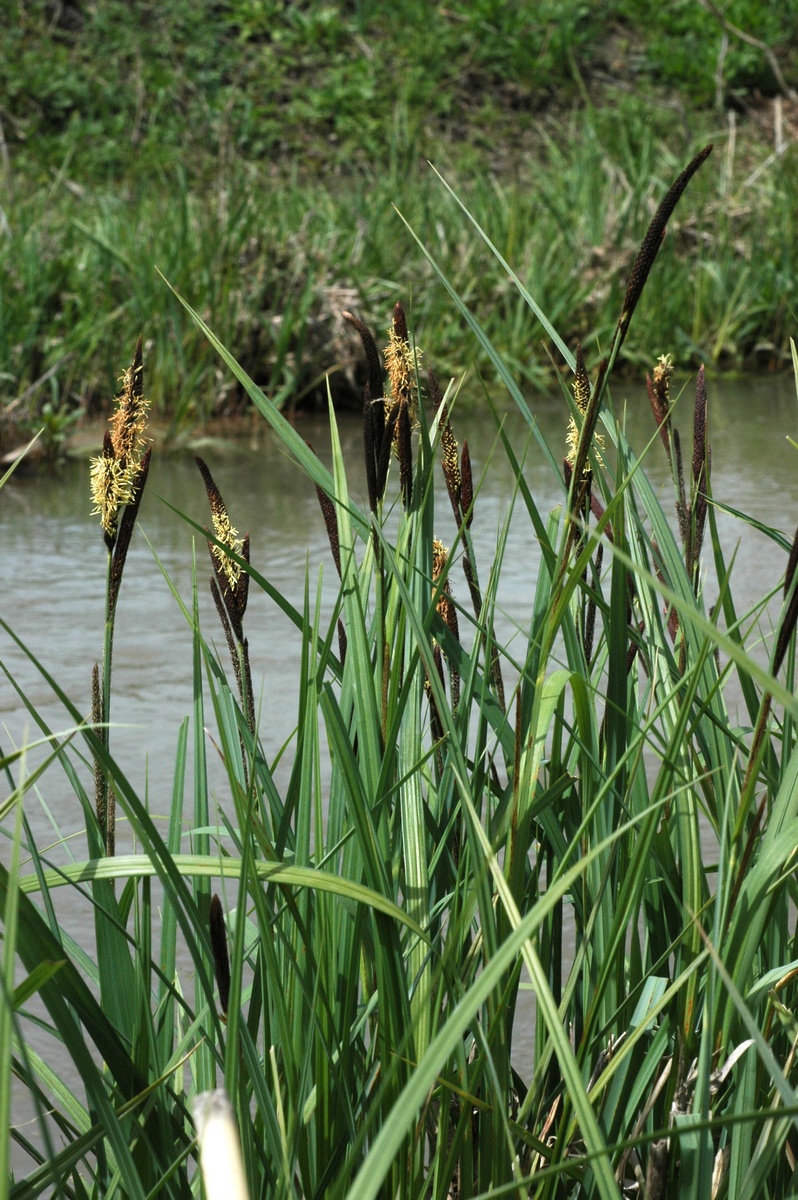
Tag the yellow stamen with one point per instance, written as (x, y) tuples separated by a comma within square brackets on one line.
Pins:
[(228, 536), (663, 372), (402, 363), (114, 472), (111, 490), (445, 605)]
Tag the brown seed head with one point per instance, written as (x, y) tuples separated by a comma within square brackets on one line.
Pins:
[(700, 430), (435, 393), (373, 362), (400, 322), (405, 454), (653, 239), (792, 564), (467, 486), (221, 957), (658, 388), (445, 605), (126, 523)]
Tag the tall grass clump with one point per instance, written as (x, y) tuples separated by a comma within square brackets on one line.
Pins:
[(605, 817)]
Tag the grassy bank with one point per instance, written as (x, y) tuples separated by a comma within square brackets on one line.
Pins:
[(255, 158), (584, 810)]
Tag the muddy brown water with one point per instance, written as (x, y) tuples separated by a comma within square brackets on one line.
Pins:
[(53, 563)]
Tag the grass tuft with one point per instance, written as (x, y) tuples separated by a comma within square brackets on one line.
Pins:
[(461, 822)]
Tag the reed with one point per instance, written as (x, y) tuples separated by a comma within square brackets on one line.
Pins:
[(461, 823), (118, 478)]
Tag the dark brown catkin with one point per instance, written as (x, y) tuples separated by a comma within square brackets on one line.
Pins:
[(221, 958)]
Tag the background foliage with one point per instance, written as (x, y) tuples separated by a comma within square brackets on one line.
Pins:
[(252, 151)]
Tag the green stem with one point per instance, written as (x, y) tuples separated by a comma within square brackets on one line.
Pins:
[(106, 800)]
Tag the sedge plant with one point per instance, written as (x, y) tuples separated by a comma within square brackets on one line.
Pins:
[(460, 822)]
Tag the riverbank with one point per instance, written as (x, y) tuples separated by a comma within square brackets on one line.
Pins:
[(258, 163)]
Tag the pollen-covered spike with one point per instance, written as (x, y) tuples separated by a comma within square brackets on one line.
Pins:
[(658, 386), (653, 239), (129, 419), (114, 473), (401, 363), (373, 360), (227, 569), (446, 608), (221, 958), (589, 414), (581, 447), (660, 411), (107, 489)]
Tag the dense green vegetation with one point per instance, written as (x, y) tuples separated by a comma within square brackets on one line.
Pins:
[(252, 152), (583, 805)]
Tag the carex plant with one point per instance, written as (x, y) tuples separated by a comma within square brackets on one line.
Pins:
[(454, 824), (118, 477)]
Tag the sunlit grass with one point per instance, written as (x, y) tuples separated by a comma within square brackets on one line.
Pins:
[(276, 256)]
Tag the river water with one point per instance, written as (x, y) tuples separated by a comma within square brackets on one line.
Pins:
[(53, 563), (53, 558)]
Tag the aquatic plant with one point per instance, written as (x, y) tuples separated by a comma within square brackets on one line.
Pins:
[(461, 823), (118, 478)]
